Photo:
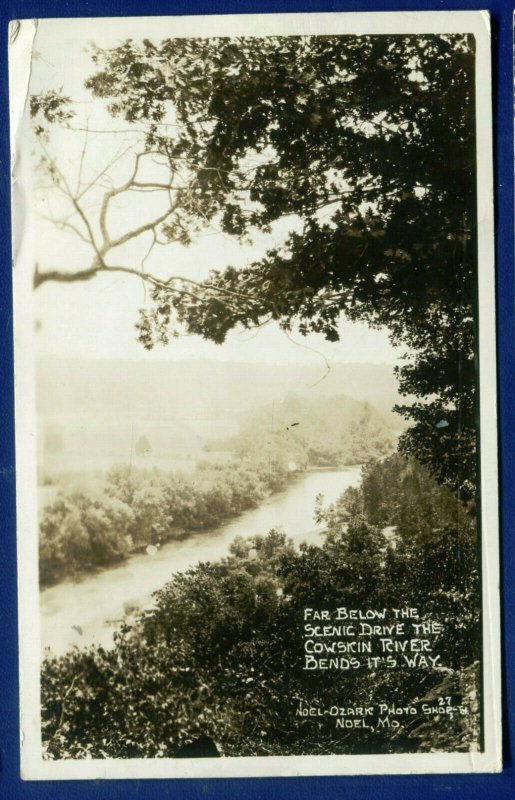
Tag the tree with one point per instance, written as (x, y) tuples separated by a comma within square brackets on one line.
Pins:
[(81, 531), (221, 652), (143, 446), (53, 442), (366, 144)]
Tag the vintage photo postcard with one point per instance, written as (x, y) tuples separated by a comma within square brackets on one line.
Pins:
[(255, 395)]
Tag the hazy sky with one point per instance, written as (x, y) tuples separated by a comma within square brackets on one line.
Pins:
[(96, 318)]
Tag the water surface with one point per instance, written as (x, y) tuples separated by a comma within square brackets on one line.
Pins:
[(88, 611)]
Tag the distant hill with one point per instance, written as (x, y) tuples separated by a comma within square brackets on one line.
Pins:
[(92, 413), (324, 432), (209, 389)]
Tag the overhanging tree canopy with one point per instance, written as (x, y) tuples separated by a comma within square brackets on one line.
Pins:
[(368, 145)]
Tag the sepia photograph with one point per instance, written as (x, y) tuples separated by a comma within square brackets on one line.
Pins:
[(255, 395)]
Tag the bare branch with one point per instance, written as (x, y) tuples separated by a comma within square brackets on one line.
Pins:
[(152, 185), (64, 224), (86, 222), (175, 284), (147, 226), (72, 198), (94, 181), (108, 243), (81, 162), (86, 274), (62, 276)]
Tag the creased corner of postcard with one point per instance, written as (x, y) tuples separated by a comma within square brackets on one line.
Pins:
[(22, 35)]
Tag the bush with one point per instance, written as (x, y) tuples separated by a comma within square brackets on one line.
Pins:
[(221, 652), (81, 531)]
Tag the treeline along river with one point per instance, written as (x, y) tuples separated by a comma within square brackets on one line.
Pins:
[(88, 611), (219, 653)]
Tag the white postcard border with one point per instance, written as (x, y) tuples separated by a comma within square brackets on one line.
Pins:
[(33, 765)]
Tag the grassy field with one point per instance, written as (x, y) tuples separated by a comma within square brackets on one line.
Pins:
[(72, 445)]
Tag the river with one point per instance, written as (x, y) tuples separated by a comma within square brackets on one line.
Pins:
[(87, 611)]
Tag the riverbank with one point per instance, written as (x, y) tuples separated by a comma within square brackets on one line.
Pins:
[(95, 526), (89, 611), (88, 528)]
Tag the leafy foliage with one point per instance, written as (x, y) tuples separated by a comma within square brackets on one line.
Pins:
[(329, 432), (434, 537), (220, 653), (47, 108), (368, 142), (367, 145), (84, 530)]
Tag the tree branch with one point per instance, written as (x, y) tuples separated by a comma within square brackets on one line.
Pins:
[(170, 284), (147, 226), (61, 276)]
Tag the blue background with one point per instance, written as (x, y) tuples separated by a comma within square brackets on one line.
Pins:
[(497, 786)]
